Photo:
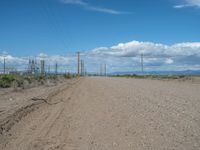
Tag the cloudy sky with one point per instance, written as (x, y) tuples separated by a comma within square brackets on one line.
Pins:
[(114, 32)]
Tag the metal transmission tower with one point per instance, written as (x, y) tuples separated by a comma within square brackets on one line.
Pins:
[(33, 67), (142, 63), (78, 63)]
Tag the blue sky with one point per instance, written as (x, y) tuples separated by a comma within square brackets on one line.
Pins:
[(59, 27)]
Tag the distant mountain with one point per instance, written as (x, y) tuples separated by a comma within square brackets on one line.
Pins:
[(185, 72)]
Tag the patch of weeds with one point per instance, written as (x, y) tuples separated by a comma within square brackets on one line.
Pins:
[(6, 81), (68, 76)]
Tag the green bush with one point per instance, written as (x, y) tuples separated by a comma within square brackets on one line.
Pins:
[(68, 76), (6, 81)]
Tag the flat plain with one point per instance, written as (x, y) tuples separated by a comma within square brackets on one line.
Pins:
[(103, 113)]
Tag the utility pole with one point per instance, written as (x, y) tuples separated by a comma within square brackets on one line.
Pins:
[(142, 63), (4, 65), (42, 67), (78, 63), (82, 68)]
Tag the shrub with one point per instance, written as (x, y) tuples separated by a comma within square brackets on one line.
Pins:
[(54, 77), (6, 81), (29, 79), (68, 76)]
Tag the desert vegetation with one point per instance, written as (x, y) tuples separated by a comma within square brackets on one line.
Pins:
[(7, 81)]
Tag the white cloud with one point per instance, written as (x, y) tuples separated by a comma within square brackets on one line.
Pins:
[(77, 2), (93, 8), (21, 63), (156, 55), (188, 3), (169, 61), (149, 49), (105, 10), (182, 6), (123, 57), (194, 2)]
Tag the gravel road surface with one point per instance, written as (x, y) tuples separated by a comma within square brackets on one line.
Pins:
[(98, 113)]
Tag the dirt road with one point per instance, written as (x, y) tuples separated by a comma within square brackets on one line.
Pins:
[(113, 114)]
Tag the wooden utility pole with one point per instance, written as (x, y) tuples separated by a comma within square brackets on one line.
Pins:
[(78, 63), (42, 67), (81, 68), (142, 63)]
